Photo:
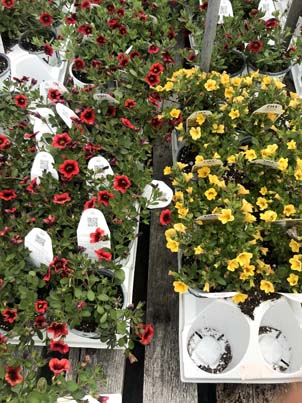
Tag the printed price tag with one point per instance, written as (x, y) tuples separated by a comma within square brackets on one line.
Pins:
[(100, 96), (225, 10), (164, 198), (66, 114), (266, 163), (219, 294), (207, 219), (101, 169), (43, 162), (270, 108), (40, 246), (192, 119), (207, 163), (268, 7)]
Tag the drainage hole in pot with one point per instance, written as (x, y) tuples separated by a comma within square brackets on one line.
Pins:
[(274, 348)]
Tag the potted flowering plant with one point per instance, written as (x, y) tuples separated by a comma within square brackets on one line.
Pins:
[(4, 68)]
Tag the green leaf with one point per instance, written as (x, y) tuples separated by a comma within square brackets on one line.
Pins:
[(104, 318), (91, 295), (103, 297), (72, 386), (77, 292)]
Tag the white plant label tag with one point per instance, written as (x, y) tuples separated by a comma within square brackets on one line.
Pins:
[(207, 163), (165, 197), (219, 294), (266, 163), (225, 10), (268, 7), (192, 119), (90, 220), (40, 245), (108, 398), (66, 114), (41, 124), (101, 96), (43, 163), (101, 169), (207, 219), (1, 45), (270, 108), (291, 296)]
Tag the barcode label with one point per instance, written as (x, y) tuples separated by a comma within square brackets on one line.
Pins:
[(43, 164), (92, 221), (40, 240), (100, 168)]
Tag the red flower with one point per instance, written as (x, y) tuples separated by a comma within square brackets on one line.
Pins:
[(1, 280), (90, 149), (16, 239), (156, 122), (90, 203), (69, 169), (3, 339), (46, 19), (88, 116), (78, 64), (152, 79), (255, 46), (167, 58), (61, 198), (123, 30), (80, 305), (8, 3), (134, 54), (21, 101), (59, 345), (58, 329), (104, 196), (71, 19), (123, 62), (145, 333), (85, 29), (9, 315), (50, 220), (41, 306), (121, 183), (203, 6), (13, 375), (165, 217), (40, 322), (57, 366), (59, 265), (32, 187), (103, 255), (129, 103), (113, 23), (85, 4), (120, 12), (97, 236), (7, 194), (4, 142), (110, 8), (127, 123), (95, 64), (101, 40), (153, 49), (61, 140), (156, 68), (271, 23), (48, 50), (54, 95)]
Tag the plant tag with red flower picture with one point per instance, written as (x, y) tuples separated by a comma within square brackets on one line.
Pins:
[(192, 120), (93, 233), (225, 10), (42, 164), (158, 194), (66, 114), (40, 246), (207, 163), (266, 163), (276, 109), (268, 7), (101, 169)]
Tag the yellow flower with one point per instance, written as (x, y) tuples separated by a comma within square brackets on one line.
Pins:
[(246, 207), (231, 159), (226, 216), (250, 218), (180, 127), (238, 298), (244, 258), (232, 265), (180, 287), (203, 172), (238, 99), (263, 191), (210, 194), (217, 128), (234, 114), (198, 250), (200, 118), (198, 158), (182, 212), (236, 81), (224, 79), (279, 85), (289, 209), (228, 93), (189, 190), (266, 80), (264, 251), (173, 245), (168, 86), (269, 150), (248, 80), (195, 133), (216, 155), (242, 190), (262, 203), (266, 286), (268, 216), (298, 174), (174, 113), (258, 236), (181, 165), (250, 154), (169, 233), (271, 116), (178, 196), (283, 163), (248, 271), (294, 246), (292, 145), (296, 263), (292, 279), (299, 163), (167, 170), (223, 107), (293, 103), (188, 176), (206, 287), (211, 85), (179, 227)]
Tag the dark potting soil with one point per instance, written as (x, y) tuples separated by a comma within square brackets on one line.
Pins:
[(81, 76), (26, 40), (187, 155), (6, 326), (283, 366), (3, 64), (255, 297)]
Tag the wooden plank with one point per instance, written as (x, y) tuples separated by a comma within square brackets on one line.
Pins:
[(270, 393), (235, 393), (162, 376), (294, 12), (209, 34)]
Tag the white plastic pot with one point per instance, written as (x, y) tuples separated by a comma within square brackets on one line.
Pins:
[(6, 73)]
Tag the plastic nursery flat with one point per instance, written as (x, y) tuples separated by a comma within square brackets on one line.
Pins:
[(267, 349)]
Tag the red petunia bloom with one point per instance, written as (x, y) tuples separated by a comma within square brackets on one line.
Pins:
[(48, 50), (78, 64), (113, 23), (60, 266), (9, 315), (145, 333), (103, 255), (104, 196), (123, 62), (121, 183), (156, 68), (58, 329), (54, 95), (3, 339), (134, 54), (101, 40), (49, 220), (203, 6), (4, 142), (255, 46), (123, 30), (129, 103), (127, 123), (120, 12), (69, 169), (16, 239), (71, 19), (46, 19), (8, 3), (97, 236), (58, 345), (165, 217), (7, 194), (61, 140), (33, 186), (41, 306), (61, 198), (153, 49), (13, 375), (40, 322), (87, 116), (95, 64), (85, 29), (85, 5), (271, 23), (167, 58), (21, 101), (57, 366), (110, 8), (152, 79), (90, 203)]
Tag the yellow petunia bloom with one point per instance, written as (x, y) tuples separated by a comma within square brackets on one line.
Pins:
[(182, 212), (198, 158), (200, 118), (173, 245), (266, 80), (263, 251), (180, 287), (269, 150), (262, 203), (266, 286), (296, 263), (188, 176), (242, 190), (263, 191), (189, 190), (211, 85), (169, 86), (179, 227), (231, 159), (238, 298), (236, 81), (298, 174), (294, 246), (234, 114), (203, 172), (228, 93), (224, 79), (169, 233), (217, 128), (181, 165), (291, 145), (249, 218), (293, 279), (210, 194), (246, 207), (167, 170), (244, 258), (174, 113), (223, 107), (249, 271), (248, 80), (198, 250), (250, 154), (289, 209), (232, 265), (268, 216), (283, 164), (206, 287), (226, 216), (178, 196), (195, 133), (180, 128)]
